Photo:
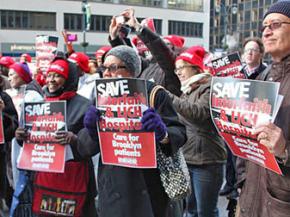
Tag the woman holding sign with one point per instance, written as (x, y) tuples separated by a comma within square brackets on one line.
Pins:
[(204, 150), (132, 192), (70, 193)]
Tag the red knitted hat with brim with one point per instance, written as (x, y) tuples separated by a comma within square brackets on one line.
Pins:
[(27, 57), (81, 59), (175, 40), (22, 71), (59, 67), (193, 55), (6, 61), (103, 50)]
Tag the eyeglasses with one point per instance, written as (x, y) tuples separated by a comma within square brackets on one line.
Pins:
[(183, 67), (112, 68), (254, 50), (274, 25)]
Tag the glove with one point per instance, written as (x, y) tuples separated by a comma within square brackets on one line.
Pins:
[(151, 121), (90, 120), (66, 137)]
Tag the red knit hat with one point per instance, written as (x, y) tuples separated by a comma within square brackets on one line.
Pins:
[(60, 67), (149, 22), (100, 52), (81, 59), (27, 57), (6, 61), (175, 40), (193, 55), (23, 71)]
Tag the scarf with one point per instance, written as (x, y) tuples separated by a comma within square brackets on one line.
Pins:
[(64, 96), (193, 82), (58, 95)]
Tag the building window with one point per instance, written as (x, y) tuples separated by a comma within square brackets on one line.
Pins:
[(73, 22), (27, 20), (150, 3), (188, 29), (190, 5), (100, 23)]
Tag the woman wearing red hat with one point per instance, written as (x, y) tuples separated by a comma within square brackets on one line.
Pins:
[(61, 84), (24, 89), (204, 150)]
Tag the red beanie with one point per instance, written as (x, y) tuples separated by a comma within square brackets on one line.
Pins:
[(23, 71), (193, 55), (60, 67), (149, 22), (6, 61), (175, 40), (27, 57), (100, 52), (81, 59)]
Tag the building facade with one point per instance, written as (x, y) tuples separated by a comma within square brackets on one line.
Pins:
[(22, 21), (237, 20)]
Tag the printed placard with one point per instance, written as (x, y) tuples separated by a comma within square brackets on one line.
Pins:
[(41, 152), (122, 140), (237, 105), (229, 65), (45, 50)]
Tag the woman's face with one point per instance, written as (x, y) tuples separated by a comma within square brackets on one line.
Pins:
[(54, 82), (14, 79), (184, 70)]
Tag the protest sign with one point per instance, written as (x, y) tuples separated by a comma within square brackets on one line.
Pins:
[(237, 106), (122, 140), (45, 50), (41, 152), (2, 138), (229, 65)]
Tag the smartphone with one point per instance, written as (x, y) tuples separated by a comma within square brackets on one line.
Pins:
[(120, 19), (72, 37)]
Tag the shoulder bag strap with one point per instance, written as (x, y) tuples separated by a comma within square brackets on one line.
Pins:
[(153, 94)]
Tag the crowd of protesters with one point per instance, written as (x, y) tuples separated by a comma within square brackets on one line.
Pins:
[(180, 119)]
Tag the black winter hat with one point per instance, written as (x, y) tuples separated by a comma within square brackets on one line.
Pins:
[(280, 7)]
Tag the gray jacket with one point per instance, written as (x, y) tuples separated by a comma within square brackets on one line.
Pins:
[(204, 145)]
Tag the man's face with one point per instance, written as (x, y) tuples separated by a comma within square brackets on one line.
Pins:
[(252, 54), (115, 68), (276, 39)]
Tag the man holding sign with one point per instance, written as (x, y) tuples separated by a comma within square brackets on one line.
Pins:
[(127, 191), (266, 193)]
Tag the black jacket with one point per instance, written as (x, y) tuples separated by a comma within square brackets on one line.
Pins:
[(10, 124)]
